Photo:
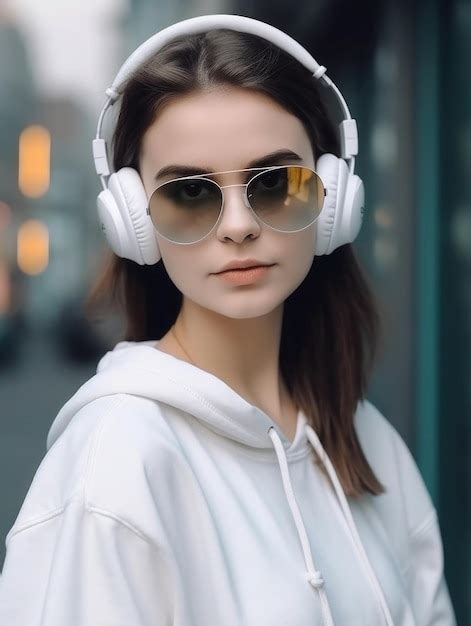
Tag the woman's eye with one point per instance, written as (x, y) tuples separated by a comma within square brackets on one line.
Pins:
[(270, 180), (192, 190)]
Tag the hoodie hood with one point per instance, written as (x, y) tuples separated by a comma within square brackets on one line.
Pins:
[(139, 368)]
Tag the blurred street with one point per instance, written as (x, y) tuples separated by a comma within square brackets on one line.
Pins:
[(42, 378)]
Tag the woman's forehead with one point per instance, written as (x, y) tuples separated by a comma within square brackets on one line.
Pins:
[(208, 127)]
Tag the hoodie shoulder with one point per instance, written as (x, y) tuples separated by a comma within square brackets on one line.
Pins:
[(136, 460), (394, 465), (104, 458), (408, 515)]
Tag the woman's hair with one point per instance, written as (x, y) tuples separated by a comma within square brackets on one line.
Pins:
[(331, 326)]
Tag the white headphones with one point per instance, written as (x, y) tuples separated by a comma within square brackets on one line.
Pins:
[(122, 205)]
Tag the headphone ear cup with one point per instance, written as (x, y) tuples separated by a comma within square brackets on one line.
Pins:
[(122, 209), (354, 208), (340, 219), (333, 176)]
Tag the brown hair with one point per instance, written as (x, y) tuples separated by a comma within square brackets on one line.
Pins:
[(331, 326)]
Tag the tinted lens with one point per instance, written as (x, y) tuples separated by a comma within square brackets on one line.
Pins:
[(287, 198), (185, 210)]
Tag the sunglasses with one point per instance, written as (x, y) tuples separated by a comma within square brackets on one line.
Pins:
[(286, 198)]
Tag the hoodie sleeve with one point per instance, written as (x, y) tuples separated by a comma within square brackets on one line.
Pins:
[(428, 589), (424, 570), (79, 566)]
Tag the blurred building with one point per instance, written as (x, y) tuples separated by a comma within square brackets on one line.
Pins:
[(67, 210), (19, 105)]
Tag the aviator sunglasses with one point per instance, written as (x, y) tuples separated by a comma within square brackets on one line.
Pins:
[(286, 198)]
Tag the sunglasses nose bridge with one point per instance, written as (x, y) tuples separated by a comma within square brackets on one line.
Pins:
[(244, 194)]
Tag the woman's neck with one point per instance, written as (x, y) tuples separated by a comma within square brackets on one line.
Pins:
[(244, 353)]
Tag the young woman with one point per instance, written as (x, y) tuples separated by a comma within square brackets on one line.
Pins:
[(223, 467)]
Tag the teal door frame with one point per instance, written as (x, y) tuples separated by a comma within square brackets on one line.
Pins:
[(427, 251)]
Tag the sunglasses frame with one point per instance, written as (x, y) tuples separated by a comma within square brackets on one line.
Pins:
[(261, 170)]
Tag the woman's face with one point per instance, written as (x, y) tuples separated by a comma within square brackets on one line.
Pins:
[(219, 130)]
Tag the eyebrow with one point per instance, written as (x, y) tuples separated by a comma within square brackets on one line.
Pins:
[(190, 170)]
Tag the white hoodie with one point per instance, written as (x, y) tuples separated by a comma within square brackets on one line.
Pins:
[(167, 499)]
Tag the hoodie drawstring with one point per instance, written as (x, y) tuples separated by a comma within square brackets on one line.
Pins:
[(314, 576)]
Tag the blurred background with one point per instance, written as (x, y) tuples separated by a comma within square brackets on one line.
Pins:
[(404, 70)]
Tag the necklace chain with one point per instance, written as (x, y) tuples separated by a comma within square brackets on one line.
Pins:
[(178, 341), (191, 360)]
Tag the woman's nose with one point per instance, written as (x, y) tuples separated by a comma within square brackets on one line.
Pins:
[(237, 219)]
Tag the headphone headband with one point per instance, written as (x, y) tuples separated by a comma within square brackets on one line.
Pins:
[(347, 127), (204, 23)]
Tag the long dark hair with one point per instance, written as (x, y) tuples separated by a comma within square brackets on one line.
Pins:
[(331, 324)]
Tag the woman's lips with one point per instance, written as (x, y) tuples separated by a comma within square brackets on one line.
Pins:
[(244, 276)]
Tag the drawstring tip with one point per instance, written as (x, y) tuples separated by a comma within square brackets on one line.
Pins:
[(315, 578)]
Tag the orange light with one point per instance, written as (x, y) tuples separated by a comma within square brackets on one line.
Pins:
[(34, 163), (33, 247)]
